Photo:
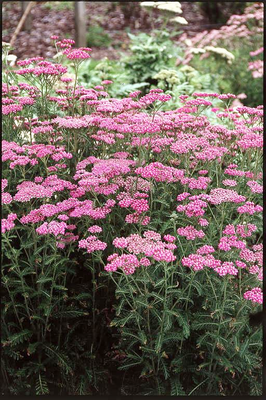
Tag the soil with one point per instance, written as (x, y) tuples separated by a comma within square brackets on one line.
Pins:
[(116, 19)]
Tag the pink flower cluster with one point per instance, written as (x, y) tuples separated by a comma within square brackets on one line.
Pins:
[(255, 295), (95, 229), (77, 54), (190, 232), (127, 262), (11, 108), (160, 172), (252, 256), (6, 198), (257, 68), (198, 261), (44, 68), (55, 228), (195, 208), (249, 208), (150, 245), (8, 223), (229, 182), (29, 190), (255, 187), (220, 195), (32, 154), (246, 230), (91, 244)]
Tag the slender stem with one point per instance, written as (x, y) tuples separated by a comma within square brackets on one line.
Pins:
[(50, 301), (13, 304), (219, 328), (22, 283), (164, 313), (201, 383)]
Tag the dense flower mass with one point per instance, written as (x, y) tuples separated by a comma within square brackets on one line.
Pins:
[(150, 245), (131, 180), (166, 205)]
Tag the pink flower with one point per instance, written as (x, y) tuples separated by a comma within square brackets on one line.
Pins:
[(227, 268), (182, 196), (42, 229), (249, 208), (77, 54), (203, 222), (8, 223), (190, 232), (229, 182), (206, 249), (6, 198), (240, 264), (229, 230), (95, 229), (219, 195), (255, 295), (120, 242), (127, 262), (169, 238), (145, 262), (254, 269), (194, 261)]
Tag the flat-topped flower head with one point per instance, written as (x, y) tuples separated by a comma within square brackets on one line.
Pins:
[(77, 54)]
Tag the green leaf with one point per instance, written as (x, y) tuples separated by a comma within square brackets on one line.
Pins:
[(19, 337), (204, 325), (44, 280), (156, 296), (59, 287), (166, 372), (41, 386), (141, 337), (136, 360), (183, 322), (172, 337), (176, 387), (32, 347), (60, 358), (69, 314), (158, 343)]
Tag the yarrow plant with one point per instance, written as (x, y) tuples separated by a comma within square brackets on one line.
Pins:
[(132, 253)]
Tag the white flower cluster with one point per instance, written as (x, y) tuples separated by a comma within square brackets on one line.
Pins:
[(222, 52), (170, 76), (170, 6)]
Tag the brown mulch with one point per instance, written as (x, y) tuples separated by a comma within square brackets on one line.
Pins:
[(114, 18)]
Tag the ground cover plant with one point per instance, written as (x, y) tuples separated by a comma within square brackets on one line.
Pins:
[(132, 237)]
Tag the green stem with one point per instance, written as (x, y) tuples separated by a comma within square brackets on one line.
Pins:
[(164, 313), (218, 332), (201, 383)]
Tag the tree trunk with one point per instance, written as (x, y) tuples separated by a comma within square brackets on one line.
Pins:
[(28, 21), (21, 22), (80, 24)]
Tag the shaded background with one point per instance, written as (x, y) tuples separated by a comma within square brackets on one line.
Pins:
[(107, 24)]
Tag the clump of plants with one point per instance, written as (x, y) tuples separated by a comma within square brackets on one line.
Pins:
[(96, 36), (132, 237), (227, 54)]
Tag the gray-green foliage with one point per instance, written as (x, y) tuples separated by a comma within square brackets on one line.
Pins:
[(177, 338)]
